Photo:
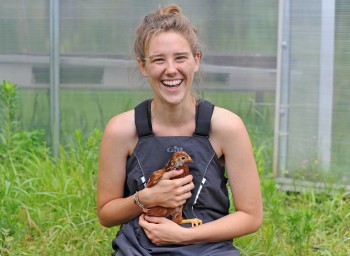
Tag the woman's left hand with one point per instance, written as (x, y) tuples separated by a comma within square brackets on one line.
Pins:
[(160, 230)]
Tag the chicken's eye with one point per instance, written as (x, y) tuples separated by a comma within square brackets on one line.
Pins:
[(183, 158)]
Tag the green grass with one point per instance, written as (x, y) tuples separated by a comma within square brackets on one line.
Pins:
[(47, 204), (48, 208)]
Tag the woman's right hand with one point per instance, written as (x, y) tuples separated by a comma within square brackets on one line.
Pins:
[(168, 192)]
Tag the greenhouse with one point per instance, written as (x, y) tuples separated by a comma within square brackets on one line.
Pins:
[(281, 65)]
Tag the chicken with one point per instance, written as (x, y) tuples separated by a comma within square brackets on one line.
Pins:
[(176, 161)]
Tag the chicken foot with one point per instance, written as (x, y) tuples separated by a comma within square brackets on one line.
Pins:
[(194, 222)]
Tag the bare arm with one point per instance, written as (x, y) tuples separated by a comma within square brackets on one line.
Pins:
[(118, 142)]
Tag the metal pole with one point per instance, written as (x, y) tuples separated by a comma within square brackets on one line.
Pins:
[(326, 82), (282, 88), (54, 76)]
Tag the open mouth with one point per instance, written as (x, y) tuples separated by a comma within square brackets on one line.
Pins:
[(172, 83)]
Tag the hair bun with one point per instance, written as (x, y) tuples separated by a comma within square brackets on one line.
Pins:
[(165, 19), (170, 9)]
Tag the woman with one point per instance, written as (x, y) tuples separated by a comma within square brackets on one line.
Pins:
[(140, 141)]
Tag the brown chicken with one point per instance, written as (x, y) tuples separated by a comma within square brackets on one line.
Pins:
[(176, 161)]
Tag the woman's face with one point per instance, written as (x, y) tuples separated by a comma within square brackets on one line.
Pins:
[(170, 66)]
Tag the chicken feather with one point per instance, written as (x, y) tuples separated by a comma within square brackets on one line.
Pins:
[(176, 161)]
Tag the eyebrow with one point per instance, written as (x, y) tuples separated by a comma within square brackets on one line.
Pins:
[(162, 55), (183, 53)]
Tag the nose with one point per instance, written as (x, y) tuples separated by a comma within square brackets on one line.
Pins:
[(171, 69)]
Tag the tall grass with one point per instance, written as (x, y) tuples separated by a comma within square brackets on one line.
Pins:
[(47, 205)]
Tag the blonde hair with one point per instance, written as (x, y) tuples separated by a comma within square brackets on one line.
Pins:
[(167, 18)]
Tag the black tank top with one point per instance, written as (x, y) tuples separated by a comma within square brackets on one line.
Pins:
[(209, 199)]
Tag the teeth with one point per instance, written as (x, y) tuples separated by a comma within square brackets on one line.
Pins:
[(172, 83)]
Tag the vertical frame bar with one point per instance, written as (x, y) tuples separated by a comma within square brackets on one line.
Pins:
[(282, 88), (326, 82), (54, 76)]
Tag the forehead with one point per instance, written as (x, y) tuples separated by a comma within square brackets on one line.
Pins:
[(168, 42)]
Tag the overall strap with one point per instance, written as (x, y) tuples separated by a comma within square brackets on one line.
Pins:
[(143, 119), (203, 118), (143, 122)]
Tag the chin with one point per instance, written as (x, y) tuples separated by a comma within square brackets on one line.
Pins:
[(173, 100), (175, 97)]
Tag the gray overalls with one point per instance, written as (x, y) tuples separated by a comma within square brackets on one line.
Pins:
[(209, 199)]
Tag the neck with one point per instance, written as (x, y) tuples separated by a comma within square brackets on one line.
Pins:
[(176, 119)]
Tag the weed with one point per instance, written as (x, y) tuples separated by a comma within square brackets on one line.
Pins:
[(15, 142), (300, 227)]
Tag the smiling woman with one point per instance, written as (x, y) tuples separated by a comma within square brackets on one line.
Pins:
[(136, 143), (170, 66)]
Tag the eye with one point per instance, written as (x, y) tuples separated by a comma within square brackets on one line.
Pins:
[(181, 58), (158, 60)]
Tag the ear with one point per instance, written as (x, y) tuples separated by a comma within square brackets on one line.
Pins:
[(141, 65), (197, 59)]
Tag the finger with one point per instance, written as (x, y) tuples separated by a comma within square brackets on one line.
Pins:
[(181, 201), (154, 220), (172, 174), (186, 196), (187, 179), (187, 187), (142, 221)]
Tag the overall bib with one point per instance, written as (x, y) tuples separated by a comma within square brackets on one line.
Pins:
[(209, 199)]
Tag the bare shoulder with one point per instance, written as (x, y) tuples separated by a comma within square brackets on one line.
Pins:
[(122, 122), (228, 133), (225, 121), (121, 130)]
